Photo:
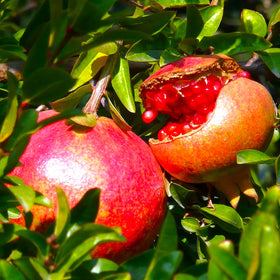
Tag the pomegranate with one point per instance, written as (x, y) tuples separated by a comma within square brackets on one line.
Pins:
[(118, 162), (215, 110)]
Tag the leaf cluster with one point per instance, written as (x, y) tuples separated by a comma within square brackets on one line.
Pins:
[(59, 54)]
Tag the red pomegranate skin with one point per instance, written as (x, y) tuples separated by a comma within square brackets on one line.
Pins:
[(243, 118), (118, 162)]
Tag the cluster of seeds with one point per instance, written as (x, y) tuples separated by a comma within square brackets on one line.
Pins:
[(188, 103)]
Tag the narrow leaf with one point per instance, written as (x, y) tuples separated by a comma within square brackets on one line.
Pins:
[(11, 114), (63, 215), (122, 85), (227, 263), (8, 271), (271, 57)]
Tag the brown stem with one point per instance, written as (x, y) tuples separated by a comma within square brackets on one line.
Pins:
[(94, 101), (214, 3)]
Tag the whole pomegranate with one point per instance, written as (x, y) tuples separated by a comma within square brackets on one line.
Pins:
[(215, 110), (118, 162)]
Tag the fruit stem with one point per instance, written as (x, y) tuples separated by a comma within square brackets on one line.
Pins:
[(99, 90)]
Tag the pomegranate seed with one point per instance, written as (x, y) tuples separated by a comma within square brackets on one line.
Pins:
[(186, 92), (172, 94), (186, 128), (161, 101), (244, 74), (149, 115), (173, 129), (162, 134), (199, 119)]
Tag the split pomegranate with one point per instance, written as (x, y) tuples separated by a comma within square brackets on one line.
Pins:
[(215, 110), (117, 162)]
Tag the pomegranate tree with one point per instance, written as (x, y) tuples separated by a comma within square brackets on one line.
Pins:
[(214, 110), (117, 162)]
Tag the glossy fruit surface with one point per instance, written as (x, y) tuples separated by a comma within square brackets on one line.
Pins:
[(118, 162), (203, 135)]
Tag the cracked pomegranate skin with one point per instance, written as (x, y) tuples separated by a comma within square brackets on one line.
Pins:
[(118, 162), (243, 117)]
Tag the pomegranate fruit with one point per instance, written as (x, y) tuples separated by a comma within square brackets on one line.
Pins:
[(118, 162), (215, 110)]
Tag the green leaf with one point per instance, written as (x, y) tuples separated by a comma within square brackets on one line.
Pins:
[(227, 263), (117, 276), (180, 3), (165, 267), (37, 56), (225, 216), (138, 265), (122, 85), (270, 256), (76, 248), (11, 114), (8, 271), (168, 239), (46, 85), (275, 17), (25, 266), (35, 25), (190, 224), (26, 123), (254, 22), (252, 243), (194, 22), (80, 14), (87, 120), (25, 195), (112, 35), (87, 66), (277, 170), (233, 43), (151, 24), (211, 17), (253, 157), (63, 215), (37, 240), (9, 51), (182, 196), (271, 58), (86, 210), (147, 50), (73, 99), (183, 276)]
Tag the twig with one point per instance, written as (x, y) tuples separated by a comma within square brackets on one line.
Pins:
[(93, 103)]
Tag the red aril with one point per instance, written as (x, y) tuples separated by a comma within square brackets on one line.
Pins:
[(220, 111)]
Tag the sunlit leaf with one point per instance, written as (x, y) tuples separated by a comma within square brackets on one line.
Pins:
[(63, 215), (253, 157), (8, 271), (225, 216), (122, 84), (233, 43), (211, 17), (254, 22), (11, 115)]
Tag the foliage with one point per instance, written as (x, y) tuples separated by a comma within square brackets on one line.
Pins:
[(52, 53)]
